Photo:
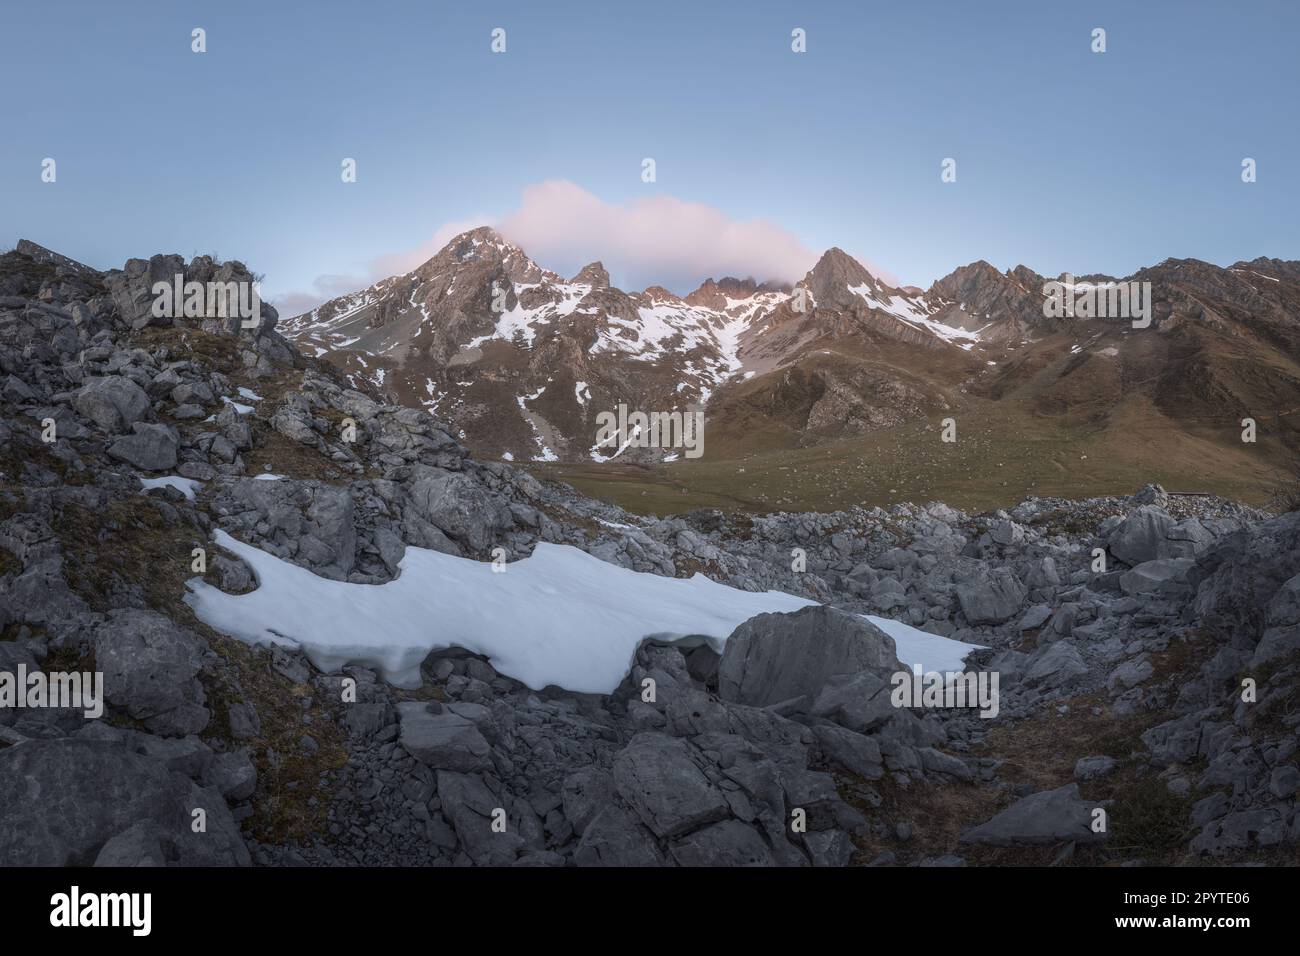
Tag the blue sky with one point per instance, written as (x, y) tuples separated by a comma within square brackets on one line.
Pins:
[(1066, 159)]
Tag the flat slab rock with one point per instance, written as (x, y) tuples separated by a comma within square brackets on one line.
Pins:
[(657, 776), (1051, 816), (443, 741)]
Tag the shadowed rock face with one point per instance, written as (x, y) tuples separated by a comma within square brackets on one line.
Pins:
[(1008, 306), (65, 799)]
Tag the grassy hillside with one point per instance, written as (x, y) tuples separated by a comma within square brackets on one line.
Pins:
[(1004, 452)]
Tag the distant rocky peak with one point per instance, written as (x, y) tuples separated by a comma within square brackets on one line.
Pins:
[(481, 243), (840, 281), (970, 281), (484, 250), (836, 263), (593, 274), (1026, 278), (716, 293), (657, 293)]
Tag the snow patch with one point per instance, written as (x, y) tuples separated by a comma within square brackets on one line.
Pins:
[(187, 486), (913, 313), (558, 617), (239, 406)]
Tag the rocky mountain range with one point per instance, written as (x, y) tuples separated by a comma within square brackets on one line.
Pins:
[(1124, 630), (522, 361)]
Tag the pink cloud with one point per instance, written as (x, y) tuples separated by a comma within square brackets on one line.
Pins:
[(657, 240), (400, 263)]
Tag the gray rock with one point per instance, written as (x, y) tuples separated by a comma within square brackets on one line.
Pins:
[(1186, 539), (17, 391), (470, 806), (460, 507), (1153, 575), (1051, 816), (729, 843), (365, 719), (295, 424), (1055, 664), (138, 845), (775, 657), (1284, 608), (149, 448), (586, 793), (936, 761), (150, 665), (993, 597), (1241, 576), (1210, 808), (243, 720), (658, 777), (829, 847), (445, 741), (1141, 536), (702, 664), (1177, 740), (113, 402), (860, 702), (1152, 494), (852, 751), (1093, 768), (233, 575), (1035, 616), (232, 775), (132, 287), (63, 800), (615, 838), (1284, 781), (1132, 672), (1241, 830), (309, 521), (1006, 532), (1276, 642)]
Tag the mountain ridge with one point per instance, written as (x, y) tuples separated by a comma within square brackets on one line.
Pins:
[(524, 360)]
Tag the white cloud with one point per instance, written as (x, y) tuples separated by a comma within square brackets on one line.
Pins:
[(323, 288)]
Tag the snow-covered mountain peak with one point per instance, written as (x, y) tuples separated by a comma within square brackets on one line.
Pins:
[(482, 333)]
